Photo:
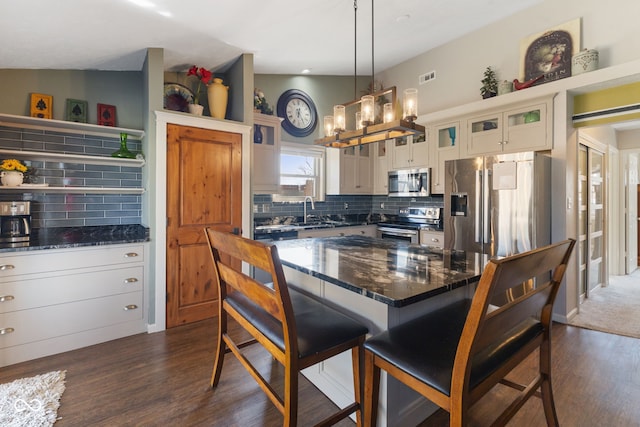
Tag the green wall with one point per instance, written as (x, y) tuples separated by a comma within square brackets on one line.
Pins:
[(124, 89), (326, 91)]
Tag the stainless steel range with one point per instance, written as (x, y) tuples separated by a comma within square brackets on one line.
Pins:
[(414, 224)]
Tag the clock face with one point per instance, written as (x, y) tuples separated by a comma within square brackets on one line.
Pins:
[(298, 111)]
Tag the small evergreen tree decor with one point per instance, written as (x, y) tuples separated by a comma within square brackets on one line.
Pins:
[(489, 84)]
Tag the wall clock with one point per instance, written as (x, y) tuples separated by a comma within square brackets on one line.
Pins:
[(298, 111)]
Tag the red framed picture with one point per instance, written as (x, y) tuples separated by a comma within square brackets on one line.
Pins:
[(106, 115)]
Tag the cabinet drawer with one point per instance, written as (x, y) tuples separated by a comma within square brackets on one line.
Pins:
[(65, 259), (23, 294), (432, 238), (37, 324)]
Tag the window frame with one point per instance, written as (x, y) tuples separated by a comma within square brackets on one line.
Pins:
[(292, 148)]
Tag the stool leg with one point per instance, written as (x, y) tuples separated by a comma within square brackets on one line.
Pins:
[(545, 388), (290, 395), (357, 360), (220, 349), (371, 389)]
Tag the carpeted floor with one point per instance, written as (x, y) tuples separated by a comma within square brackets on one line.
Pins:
[(614, 309), (33, 401)]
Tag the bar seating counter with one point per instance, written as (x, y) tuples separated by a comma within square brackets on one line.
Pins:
[(381, 283)]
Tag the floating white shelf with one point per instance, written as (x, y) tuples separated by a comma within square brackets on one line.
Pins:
[(72, 158), (72, 190), (68, 127)]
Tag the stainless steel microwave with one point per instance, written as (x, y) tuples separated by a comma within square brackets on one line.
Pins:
[(410, 183)]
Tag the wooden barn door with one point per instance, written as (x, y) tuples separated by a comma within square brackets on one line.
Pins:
[(204, 189)]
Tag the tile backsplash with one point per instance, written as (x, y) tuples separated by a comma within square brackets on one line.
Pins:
[(264, 207), (73, 210)]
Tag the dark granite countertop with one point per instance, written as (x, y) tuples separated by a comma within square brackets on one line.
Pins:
[(395, 273), (72, 237)]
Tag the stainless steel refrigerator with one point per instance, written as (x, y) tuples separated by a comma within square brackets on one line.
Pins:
[(498, 205)]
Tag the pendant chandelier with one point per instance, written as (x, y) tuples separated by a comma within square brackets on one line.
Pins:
[(367, 128)]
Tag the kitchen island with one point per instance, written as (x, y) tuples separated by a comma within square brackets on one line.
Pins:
[(382, 283)]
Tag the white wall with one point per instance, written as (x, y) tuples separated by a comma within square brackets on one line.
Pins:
[(610, 27)]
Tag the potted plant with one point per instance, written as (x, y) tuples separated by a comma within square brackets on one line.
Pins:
[(489, 84)]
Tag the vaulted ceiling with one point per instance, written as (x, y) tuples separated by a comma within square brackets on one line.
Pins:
[(285, 36)]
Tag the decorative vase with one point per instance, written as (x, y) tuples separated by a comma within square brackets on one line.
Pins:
[(532, 117), (218, 95), (11, 178), (584, 61), (505, 87), (123, 152), (195, 109), (257, 134)]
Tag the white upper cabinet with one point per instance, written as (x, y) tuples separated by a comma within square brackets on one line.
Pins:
[(445, 145), (349, 170), (409, 152), (521, 128), (381, 164), (266, 153)]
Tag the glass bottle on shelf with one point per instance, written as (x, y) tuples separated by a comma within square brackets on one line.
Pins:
[(123, 152)]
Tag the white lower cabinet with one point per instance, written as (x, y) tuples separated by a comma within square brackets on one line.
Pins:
[(53, 301), (432, 238), (356, 230)]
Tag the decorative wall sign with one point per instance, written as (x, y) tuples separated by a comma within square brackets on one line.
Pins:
[(106, 115), (549, 53), (76, 111), (41, 106)]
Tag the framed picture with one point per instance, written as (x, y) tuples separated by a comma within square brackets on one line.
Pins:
[(76, 111), (41, 106), (106, 115), (549, 53)]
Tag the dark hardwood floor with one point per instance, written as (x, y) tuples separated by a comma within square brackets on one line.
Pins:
[(162, 379)]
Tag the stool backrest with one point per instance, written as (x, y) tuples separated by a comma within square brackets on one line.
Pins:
[(273, 297), (525, 286)]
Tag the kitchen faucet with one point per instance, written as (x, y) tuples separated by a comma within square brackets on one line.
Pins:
[(304, 204)]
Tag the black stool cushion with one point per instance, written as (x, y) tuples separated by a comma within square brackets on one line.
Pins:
[(426, 347), (319, 326)]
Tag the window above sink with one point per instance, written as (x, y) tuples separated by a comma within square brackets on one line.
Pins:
[(301, 173)]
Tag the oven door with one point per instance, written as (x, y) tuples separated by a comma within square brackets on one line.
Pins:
[(398, 234)]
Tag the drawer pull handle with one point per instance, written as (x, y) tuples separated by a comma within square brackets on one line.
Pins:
[(7, 267), (5, 331), (130, 255), (5, 298), (435, 240), (130, 307), (130, 280)]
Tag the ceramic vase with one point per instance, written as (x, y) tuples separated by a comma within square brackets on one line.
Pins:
[(257, 134), (196, 109), (584, 61), (218, 95), (505, 87), (11, 178)]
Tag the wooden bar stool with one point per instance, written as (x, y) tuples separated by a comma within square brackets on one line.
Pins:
[(297, 330), (455, 355)]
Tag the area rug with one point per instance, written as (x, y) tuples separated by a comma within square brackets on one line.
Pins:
[(614, 309), (32, 401)]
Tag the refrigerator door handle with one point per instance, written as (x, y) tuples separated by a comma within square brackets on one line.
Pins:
[(486, 206), (478, 205)]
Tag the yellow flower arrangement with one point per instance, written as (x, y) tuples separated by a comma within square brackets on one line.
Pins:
[(12, 165)]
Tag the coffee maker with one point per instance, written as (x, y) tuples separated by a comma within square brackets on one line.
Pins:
[(15, 221)]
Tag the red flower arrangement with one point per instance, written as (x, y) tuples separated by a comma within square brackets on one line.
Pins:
[(203, 75)]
